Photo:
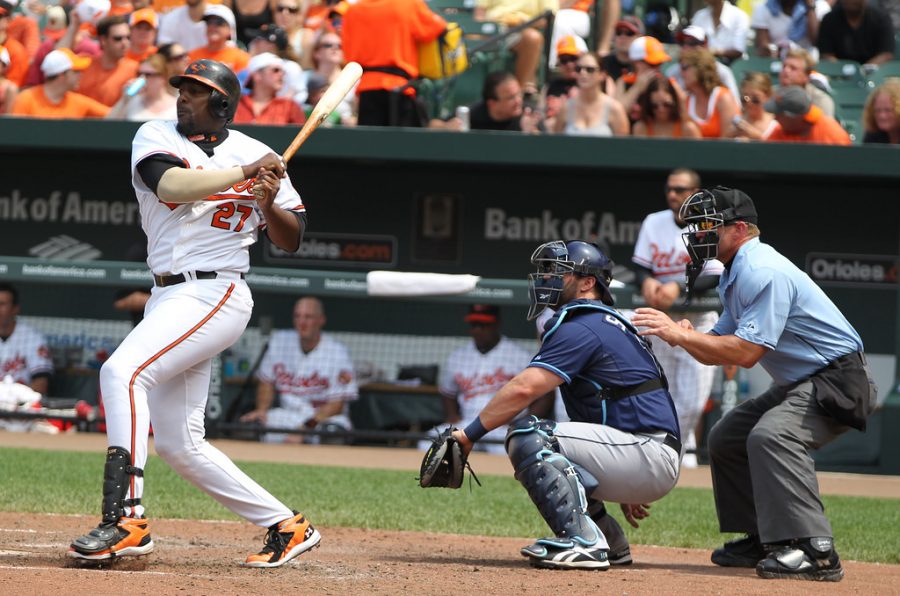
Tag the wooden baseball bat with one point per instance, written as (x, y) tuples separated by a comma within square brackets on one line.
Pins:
[(330, 99)]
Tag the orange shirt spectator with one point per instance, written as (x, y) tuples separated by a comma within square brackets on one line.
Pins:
[(401, 25), (801, 122), (25, 30), (280, 110), (55, 98), (18, 56), (220, 32), (144, 24), (234, 58), (104, 79)]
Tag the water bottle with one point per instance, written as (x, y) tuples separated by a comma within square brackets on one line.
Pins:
[(462, 112), (133, 89)]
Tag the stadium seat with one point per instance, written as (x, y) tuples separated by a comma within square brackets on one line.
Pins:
[(850, 101), (842, 73), (756, 64), (885, 71)]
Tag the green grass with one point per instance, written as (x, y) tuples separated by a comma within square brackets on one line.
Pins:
[(63, 482)]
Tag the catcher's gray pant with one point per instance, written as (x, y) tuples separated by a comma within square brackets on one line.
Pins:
[(630, 468), (764, 479)]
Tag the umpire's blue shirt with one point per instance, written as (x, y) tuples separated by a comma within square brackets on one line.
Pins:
[(770, 302), (590, 346)]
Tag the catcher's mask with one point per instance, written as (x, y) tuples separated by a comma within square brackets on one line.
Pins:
[(708, 210), (553, 260)]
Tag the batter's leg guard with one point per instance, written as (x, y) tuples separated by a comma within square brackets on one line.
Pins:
[(117, 535), (555, 488)]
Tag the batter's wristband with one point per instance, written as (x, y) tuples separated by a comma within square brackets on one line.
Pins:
[(475, 430)]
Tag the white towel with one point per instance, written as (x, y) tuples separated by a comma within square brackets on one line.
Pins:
[(398, 283)]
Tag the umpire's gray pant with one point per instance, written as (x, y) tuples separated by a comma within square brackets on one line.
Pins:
[(764, 479)]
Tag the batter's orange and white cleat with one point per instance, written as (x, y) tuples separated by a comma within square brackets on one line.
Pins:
[(285, 541), (129, 537)]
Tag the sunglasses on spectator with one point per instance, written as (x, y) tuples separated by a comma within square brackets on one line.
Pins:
[(754, 100), (568, 59), (120, 37), (290, 9), (588, 69), (625, 32), (329, 46), (661, 104), (678, 189)]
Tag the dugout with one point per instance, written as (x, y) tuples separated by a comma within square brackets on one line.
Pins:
[(477, 202)]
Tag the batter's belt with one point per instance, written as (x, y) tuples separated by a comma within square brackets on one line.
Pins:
[(165, 280)]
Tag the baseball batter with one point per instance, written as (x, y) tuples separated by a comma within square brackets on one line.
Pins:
[(476, 371), (204, 192), (311, 372), (24, 354), (661, 257), (622, 443)]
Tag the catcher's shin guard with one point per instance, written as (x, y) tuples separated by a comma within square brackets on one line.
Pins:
[(116, 535), (551, 481)]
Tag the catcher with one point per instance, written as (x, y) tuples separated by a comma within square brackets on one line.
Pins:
[(622, 444)]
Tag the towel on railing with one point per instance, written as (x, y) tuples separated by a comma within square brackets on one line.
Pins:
[(398, 283)]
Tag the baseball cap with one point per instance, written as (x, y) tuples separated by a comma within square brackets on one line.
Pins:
[(144, 15), (272, 34), (570, 45), (734, 205), (483, 313), (790, 101), (632, 23), (259, 62), (5, 8), (59, 61), (221, 11), (692, 31), (647, 49), (315, 82)]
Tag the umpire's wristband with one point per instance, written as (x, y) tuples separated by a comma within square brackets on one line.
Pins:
[(475, 430)]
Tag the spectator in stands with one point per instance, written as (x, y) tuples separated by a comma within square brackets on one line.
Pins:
[(327, 60), (564, 84), (390, 58), (311, 372), (315, 88), (153, 101), (784, 24), (475, 372), (616, 63), (24, 29), (77, 36), (273, 40), (756, 123), (881, 116), (693, 38), (24, 354), (647, 57), (56, 97), (288, 17), (18, 55), (317, 17), (501, 106), (797, 69), (664, 113), (855, 30), (184, 25), (726, 27), (8, 89), (262, 105), (710, 105), (799, 121), (572, 20), (55, 24), (526, 44), (249, 16), (592, 112), (220, 40), (105, 78), (144, 24), (177, 60)]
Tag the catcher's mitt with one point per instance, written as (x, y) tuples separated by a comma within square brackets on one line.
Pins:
[(444, 463)]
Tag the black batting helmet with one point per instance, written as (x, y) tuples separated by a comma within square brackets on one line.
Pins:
[(226, 90)]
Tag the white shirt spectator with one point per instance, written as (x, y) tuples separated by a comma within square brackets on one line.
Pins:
[(24, 354), (734, 27), (779, 25), (176, 26)]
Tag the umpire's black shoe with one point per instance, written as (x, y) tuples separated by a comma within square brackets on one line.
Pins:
[(811, 559), (740, 552)]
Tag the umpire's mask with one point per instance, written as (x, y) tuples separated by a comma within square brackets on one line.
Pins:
[(703, 220)]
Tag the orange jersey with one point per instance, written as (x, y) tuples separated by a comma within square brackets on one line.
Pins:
[(401, 26), (234, 58), (105, 85), (25, 30), (33, 102), (583, 5), (18, 61), (711, 126), (131, 55), (825, 131)]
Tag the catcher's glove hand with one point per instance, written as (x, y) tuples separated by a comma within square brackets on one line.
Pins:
[(444, 463)]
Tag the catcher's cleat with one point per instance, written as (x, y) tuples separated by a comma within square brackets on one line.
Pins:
[(285, 541), (740, 552), (814, 559), (129, 537), (548, 553)]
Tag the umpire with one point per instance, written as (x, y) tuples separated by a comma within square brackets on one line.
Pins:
[(764, 478)]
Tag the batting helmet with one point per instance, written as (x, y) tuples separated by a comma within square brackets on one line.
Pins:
[(555, 259), (226, 90)]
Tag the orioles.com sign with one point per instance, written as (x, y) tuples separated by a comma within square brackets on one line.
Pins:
[(847, 270), (338, 250)]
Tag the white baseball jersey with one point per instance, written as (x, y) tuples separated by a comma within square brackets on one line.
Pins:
[(24, 354), (208, 235), (306, 381), (661, 249)]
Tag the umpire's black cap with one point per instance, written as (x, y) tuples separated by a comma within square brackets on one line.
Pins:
[(734, 205)]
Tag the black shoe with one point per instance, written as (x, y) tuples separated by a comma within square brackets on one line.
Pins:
[(741, 552), (812, 559)]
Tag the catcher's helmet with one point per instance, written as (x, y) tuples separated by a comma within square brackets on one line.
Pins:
[(555, 259), (226, 90)]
